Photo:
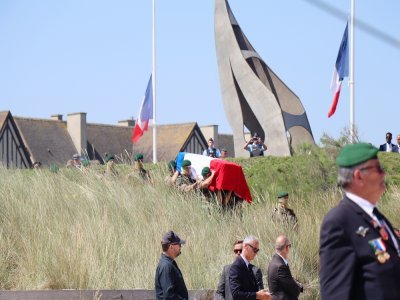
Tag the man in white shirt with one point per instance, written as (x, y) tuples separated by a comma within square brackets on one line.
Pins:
[(359, 250), (388, 146)]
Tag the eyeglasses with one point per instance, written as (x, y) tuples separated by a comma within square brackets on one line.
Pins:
[(254, 248), (378, 168), (237, 251)]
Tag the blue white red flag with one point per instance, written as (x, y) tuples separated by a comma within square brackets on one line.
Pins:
[(145, 114), (341, 70)]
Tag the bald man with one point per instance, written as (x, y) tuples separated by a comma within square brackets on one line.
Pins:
[(280, 281)]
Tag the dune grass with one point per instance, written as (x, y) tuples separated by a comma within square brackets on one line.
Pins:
[(80, 230)]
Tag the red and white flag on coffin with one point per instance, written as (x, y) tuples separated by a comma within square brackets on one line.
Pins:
[(228, 175), (145, 114), (341, 70)]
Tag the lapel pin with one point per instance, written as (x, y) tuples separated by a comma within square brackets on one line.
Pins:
[(362, 231)]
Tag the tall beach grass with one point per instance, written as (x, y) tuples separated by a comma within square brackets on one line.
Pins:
[(80, 230)]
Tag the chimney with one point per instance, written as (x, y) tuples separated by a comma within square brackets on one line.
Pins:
[(210, 131), (76, 126), (56, 117), (126, 123)]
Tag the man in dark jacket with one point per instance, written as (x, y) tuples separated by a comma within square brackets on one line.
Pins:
[(242, 281), (359, 250), (282, 285), (223, 289), (169, 283)]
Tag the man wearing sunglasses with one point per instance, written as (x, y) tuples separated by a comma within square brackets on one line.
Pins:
[(242, 281), (223, 289), (359, 250), (280, 281), (169, 283)]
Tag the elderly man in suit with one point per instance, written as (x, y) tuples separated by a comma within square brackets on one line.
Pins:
[(223, 289), (242, 281), (359, 250), (281, 284)]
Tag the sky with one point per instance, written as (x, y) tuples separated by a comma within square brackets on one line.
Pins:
[(95, 56)]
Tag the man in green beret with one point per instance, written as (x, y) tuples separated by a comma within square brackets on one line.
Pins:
[(138, 169), (359, 250), (204, 184), (184, 181), (283, 213), (111, 169), (173, 173)]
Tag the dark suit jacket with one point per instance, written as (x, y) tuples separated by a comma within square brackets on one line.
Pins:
[(349, 268), (383, 147), (281, 284), (224, 290), (242, 281)]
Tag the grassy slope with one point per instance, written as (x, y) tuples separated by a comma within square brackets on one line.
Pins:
[(79, 230)]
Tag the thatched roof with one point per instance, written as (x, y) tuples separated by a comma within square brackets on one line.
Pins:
[(112, 139), (3, 117), (47, 141), (171, 139)]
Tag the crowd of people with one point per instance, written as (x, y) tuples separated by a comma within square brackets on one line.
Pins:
[(239, 280), (359, 248)]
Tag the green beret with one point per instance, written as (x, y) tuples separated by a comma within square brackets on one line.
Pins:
[(109, 157), (171, 165), (282, 194), (205, 171), (186, 163), (138, 156), (355, 154)]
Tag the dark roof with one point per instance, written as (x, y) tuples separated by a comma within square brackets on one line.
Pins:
[(47, 141), (111, 139), (170, 141)]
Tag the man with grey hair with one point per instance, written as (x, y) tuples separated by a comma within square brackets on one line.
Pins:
[(223, 290), (280, 281), (359, 250), (242, 281)]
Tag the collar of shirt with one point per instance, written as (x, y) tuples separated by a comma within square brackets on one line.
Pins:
[(364, 204), (245, 260), (284, 260)]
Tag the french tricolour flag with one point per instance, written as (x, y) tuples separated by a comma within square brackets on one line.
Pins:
[(228, 175), (145, 114), (341, 70)]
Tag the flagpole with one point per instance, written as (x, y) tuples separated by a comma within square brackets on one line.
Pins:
[(351, 77), (154, 85)]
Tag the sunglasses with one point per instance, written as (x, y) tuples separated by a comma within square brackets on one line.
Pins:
[(378, 168), (254, 248), (237, 251)]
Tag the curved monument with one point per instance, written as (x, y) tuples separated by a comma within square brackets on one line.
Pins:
[(252, 93)]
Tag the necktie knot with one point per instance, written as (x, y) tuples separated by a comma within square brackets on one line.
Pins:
[(377, 214)]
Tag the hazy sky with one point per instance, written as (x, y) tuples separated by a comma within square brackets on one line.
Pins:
[(95, 56)]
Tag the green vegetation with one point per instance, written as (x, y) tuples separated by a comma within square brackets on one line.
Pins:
[(78, 229)]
